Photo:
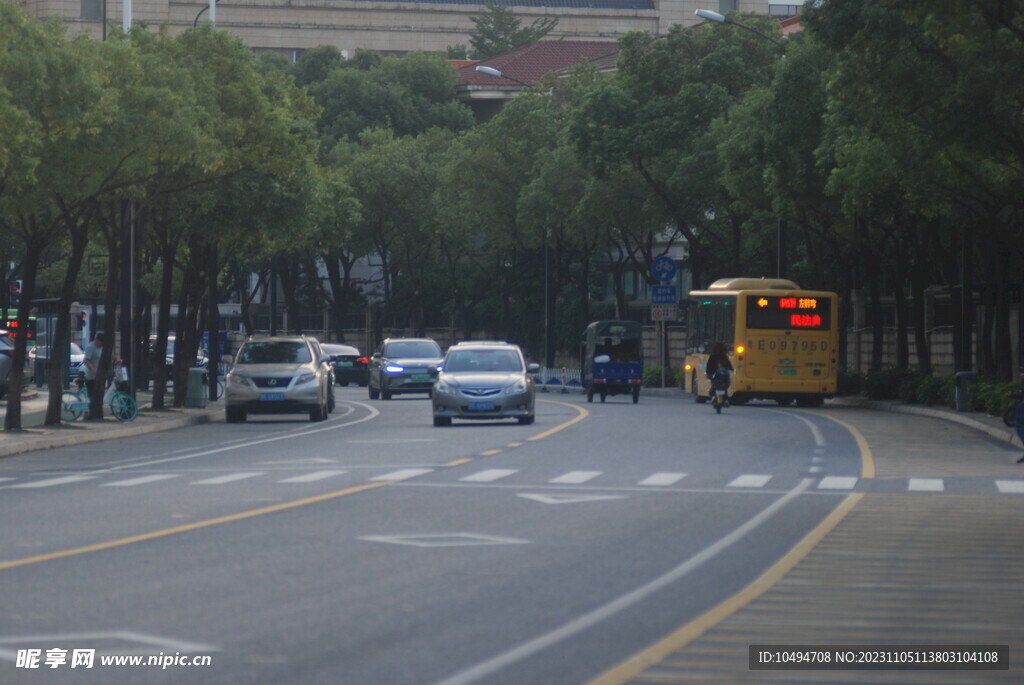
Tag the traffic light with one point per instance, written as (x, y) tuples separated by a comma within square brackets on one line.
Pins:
[(15, 292)]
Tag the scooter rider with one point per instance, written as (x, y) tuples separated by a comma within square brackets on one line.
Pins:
[(718, 359)]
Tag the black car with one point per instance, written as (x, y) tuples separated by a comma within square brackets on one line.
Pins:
[(349, 365), (404, 365)]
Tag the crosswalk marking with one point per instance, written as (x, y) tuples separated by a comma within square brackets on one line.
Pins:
[(63, 480), (925, 485), (837, 483), (750, 480), (575, 477), (229, 478), (1015, 487), (312, 476), (487, 476), (662, 479), (141, 480), (402, 474)]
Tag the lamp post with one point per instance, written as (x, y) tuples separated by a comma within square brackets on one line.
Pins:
[(780, 232), (496, 73), (213, 13), (722, 19)]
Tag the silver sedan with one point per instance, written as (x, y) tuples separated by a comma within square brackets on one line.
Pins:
[(484, 381)]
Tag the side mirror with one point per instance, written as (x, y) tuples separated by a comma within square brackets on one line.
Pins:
[(533, 368)]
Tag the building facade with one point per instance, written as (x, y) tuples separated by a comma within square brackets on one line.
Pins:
[(390, 27)]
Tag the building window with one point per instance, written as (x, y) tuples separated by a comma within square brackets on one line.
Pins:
[(784, 11), (726, 6), (92, 9)]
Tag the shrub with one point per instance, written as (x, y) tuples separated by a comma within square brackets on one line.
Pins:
[(849, 382), (652, 377), (932, 390), (883, 384)]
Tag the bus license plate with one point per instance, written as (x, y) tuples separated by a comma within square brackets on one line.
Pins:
[(481, 406), (787, 372), (271, 396)]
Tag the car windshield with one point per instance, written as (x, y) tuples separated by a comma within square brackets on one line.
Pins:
[(417, 349), (484, 361), (274, 353)]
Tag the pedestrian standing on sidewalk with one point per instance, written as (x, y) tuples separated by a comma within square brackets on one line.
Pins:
[(93, 352)]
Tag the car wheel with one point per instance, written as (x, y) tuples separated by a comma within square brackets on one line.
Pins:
[(234, 414), (525, 420), (373, 393), (331, 404), (442, 421), (385, 394), (636, 395), (316, 413), (590, 395)]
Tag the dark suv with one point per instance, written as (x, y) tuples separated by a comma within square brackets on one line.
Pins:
[(404, 365)]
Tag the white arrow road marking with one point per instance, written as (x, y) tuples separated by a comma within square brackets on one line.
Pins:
[(567, 499), (444, 540)]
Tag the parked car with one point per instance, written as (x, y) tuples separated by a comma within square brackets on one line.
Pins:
[(349, 365), (6, 360), (484, 380), (201, 361), (279, 375), (41, 354), (403, 365)]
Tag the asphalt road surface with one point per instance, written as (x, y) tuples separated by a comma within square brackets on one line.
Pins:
[(375, 548)]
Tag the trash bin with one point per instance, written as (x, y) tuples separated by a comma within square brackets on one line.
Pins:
[(965, 380), (195, 391), (39, 372)]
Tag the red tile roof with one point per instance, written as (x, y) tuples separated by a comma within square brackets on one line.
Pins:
[(531, 62)]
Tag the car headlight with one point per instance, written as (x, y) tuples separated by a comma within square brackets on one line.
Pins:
[(239, 380), (517, 388), (306, 378), (445, 388), (394, 368)]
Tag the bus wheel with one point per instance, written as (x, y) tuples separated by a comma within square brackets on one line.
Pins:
[(784, 401), (813, 402)]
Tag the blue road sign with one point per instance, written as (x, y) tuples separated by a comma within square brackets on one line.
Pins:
[(663, 294), (663, 268)]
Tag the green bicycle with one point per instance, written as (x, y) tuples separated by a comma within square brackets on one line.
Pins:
[(75, 403)]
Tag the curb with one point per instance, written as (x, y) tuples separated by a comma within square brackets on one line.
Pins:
[(1003, 434), (77, 435)]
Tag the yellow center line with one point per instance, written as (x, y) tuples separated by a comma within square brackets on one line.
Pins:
[(659, 651), (581, 414), (142, 537), (490, 453)]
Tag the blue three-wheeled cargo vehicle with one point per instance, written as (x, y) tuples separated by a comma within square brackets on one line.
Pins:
[(611, 359)]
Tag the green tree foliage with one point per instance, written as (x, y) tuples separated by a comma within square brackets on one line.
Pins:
[(498, 30), (408, 95)]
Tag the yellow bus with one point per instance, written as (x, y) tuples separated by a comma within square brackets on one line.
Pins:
[(783, 341)]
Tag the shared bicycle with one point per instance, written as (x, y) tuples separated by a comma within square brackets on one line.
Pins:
[(75, 403)]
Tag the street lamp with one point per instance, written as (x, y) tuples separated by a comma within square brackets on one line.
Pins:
[(213, 13), (491, 71), (722, 19), (780, 233)]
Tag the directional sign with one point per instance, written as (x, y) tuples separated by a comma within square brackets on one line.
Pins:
[(664, 268), (663, 294)]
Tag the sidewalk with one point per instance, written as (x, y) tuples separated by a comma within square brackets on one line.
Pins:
[(35, 436)]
